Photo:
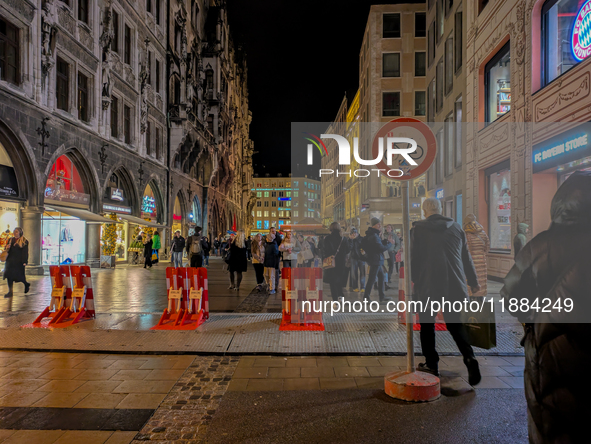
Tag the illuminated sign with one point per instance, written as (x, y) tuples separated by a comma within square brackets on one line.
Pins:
[(117, 194), (564, 148), (148, 204), (439, 193), (284, 198), (116, 209), (581, 37), (416, 205)]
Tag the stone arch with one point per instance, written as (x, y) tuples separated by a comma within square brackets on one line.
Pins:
[(22, 160), (87, 173), (130, 184), (158, 196)]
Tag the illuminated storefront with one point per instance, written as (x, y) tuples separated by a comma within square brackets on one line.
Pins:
[(554, 160), (9, 195), (177, 217)]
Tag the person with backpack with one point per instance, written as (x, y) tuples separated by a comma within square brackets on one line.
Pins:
[(195, 249), (177, 246), (554, 267)]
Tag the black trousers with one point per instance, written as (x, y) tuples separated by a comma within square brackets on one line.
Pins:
[(336, 289), (148, 261), (455, 328), (391, 262), (259, 270), (196, 260)]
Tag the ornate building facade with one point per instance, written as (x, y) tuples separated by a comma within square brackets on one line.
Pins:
[(107, 109)]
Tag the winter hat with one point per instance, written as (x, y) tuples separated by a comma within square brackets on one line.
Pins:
[(353, 230), (374, 221)]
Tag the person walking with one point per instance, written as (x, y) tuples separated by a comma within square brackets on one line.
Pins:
[(238, 260), (290, 248), (216, 246), (206, 249), (441, 264), (374, 248), (270, 260), (156, 245), (357, 262), (177, 246), (278, 240), (520, 238), (305, 256), (148, 247), (336, 247), (394, 241), (258, 260), (16, 261), (554, 265), (248, 247), (195, 249), (478, 245)]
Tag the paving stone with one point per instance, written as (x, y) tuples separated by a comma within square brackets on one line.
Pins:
[(513, 381), (60, 386), (370, 383), (332, 361), (18, 399), (382, 371), (270, 362), (98, 387), (337, 383), (60, 400), (301, 384), (141, 401), (491, 382), (101, 401), (300, 362), (83, 436), (317, 372), (256, 385), (363, 361), (34, 436), (348, 372), (514, 370), (121, 437), (237, 385), (251, 373), (282, 373)]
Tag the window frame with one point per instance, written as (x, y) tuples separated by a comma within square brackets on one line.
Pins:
[(389, 53), (449, 70), (449, 135), (458, 41), (415, 101), (64, 80), (83, 90), (114, 117), (425, 63), (391, 14), (458, 151), (424, 14), (488, 172), (115, 41), (128, 45), (487, 68), (84, 11), (399, 103), (127, 124), (15, 44)]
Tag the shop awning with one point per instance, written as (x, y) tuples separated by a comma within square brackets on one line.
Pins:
[(138, 221), (83, 215)]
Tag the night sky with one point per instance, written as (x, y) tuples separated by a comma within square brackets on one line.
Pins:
[(302, 56)]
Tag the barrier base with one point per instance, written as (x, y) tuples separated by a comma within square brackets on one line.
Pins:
[(59, 319), (287, 325), (170, 321), (412, 387), (191, 321)]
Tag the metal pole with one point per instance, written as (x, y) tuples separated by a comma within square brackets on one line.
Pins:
[(410, 350)]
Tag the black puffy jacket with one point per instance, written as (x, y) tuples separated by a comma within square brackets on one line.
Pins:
[(374, 247), (556, 265)]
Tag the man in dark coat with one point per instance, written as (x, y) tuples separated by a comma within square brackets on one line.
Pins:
[(440, 266), (555, 265), (337, 246), (374, 249)]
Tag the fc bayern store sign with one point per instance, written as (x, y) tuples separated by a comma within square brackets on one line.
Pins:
[(581, 37)]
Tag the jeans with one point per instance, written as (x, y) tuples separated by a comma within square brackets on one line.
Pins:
[(375, 271), (455, 328), (270, 277), (391, 262), (238, 278), (205, 260), (288, 263), (357, 271), (177, 259)]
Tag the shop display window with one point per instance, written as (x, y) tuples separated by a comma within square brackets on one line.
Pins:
[(497, 78), (64, 239), (9, 215), (121, 232), (558, 20), (499, 203), (64, 183)]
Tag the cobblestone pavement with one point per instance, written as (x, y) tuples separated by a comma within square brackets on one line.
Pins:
[(114, 399)]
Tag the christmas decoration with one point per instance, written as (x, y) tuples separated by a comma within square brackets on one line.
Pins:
[(109, 239)]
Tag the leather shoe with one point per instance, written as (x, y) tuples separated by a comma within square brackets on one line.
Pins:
[(422, 367)]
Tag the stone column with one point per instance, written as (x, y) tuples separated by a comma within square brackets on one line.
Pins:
[(93, 245), (31, 225)]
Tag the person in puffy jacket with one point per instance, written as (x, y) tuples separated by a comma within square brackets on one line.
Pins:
[(553, 268), (290, 248)]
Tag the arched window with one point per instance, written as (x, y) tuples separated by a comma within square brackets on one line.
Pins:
[(64, 183)]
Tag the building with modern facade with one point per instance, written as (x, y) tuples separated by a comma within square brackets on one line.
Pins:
[(305, 200), (528, 84), (446, 89), (88, 97), (273, 203), (392, 83)]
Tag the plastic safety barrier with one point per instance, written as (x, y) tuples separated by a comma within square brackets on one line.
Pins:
[(188, 299), (439, 322), (72, 298), (301, 284)]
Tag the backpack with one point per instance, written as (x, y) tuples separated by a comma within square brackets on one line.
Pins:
[(196, 246)]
